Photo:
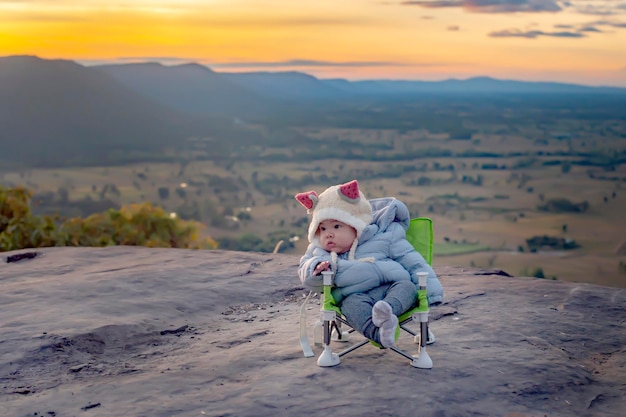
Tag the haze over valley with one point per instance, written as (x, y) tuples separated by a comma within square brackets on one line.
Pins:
[(520, 176)]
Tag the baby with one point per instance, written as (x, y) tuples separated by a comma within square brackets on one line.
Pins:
[(364, 243)]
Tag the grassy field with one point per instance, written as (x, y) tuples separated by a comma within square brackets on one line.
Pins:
[(482, 214)]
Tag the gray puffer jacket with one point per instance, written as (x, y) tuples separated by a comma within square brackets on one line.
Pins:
[(384, 240)]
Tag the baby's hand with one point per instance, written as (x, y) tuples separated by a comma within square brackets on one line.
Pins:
[(322, 266)]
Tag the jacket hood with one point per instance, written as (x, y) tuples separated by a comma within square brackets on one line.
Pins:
[(386, 211)]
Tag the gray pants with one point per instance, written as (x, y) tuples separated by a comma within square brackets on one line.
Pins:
[(357, 308)]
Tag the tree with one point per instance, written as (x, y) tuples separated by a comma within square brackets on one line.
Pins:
[(538, 273), (566, 166), (164, 193), (137, 224), (19, 228)]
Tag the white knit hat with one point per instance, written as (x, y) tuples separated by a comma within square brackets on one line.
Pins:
[(345, 203)]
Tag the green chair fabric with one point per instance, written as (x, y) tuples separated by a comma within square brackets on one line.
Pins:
[(420, 235)]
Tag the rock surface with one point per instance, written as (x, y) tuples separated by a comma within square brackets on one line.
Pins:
[(126, 331)]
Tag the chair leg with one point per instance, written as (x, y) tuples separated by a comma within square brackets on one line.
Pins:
[(327, 358), (318, 333), (416, 338), (431, 337), (423, 359)]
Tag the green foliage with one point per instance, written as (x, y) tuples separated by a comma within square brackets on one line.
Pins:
[(460, 133), (469, 179), (249, 242), (536, 243), (19, 228), (563, 205), (164, 193), (136, 225), (181, 192), (536, 272), (244, 215), (566, 167)]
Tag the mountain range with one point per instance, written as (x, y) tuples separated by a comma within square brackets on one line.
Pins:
[(193, 87), (58, 112)]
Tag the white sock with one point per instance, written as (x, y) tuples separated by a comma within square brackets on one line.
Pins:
[(381, 312), (387, 332), (386, 321)]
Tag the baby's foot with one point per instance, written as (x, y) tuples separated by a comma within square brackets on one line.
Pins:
[(386, 321), (387, 332), (381, 312)]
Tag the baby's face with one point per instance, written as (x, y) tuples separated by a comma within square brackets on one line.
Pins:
[(336, 236)]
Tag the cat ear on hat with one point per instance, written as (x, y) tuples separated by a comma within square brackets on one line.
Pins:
[(308, 199), (350, 192)]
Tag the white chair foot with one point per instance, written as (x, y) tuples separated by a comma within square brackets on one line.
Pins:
[(328, 358), (423, 361)]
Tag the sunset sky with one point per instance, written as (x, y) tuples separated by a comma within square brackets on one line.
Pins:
[(575, 41)]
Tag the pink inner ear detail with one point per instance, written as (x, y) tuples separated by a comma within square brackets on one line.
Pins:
[(307, 199), (350, 189)]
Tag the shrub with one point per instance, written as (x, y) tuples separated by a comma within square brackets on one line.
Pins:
[(19, 228), (136, 225), (538, 273), (563, 205), (538, 242), (164, 193)]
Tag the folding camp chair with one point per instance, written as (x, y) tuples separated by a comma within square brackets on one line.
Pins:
[(329, 326)]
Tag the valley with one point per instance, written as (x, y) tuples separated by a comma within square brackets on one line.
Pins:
[(528, 178)]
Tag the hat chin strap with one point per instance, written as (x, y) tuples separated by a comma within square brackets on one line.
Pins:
[(352, 253), (333, 261), (351, 256)]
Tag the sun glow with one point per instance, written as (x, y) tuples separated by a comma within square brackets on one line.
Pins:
[(350, 38)]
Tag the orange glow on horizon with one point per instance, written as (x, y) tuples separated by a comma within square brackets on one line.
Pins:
[(354, 39)]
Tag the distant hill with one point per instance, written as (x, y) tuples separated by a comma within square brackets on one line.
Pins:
[(57, 112), (190, 87), (471, 85), (264, 95), (290, 85)]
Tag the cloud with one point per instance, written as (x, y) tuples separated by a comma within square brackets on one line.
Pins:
[(304, 63), (609, 23), (164, 60), (490, 6), (293, 63), (276, 21), (533, 34), (434, 4), (588, 28), (606, 8), (453, 28), (588, 7)]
